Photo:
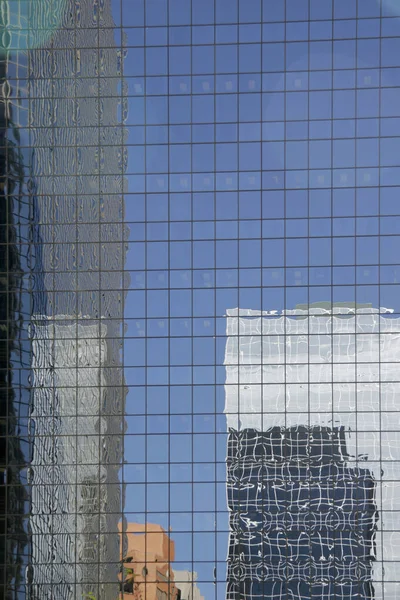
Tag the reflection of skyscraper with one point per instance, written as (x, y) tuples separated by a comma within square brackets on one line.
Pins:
[(303, 395), (78, 394), (15, 212), (146, 559)]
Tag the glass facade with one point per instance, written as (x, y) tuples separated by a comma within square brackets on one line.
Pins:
[(199, 299)]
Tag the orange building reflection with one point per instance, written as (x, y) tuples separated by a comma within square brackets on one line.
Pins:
[(146, 572)]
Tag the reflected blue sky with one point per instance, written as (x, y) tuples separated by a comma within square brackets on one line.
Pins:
[(254, 168)]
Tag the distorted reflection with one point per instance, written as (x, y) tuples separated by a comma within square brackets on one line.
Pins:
[(77, 402), (75, 503), (14, 346), (146, 572), (261, 169), (304, 390), (301, 518), (146, 562)]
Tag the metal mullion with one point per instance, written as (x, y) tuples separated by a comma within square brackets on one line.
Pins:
[(381, 472), (309, 317), (215, 571), (285, 436), (240, 431), (53, 320), (146, 303), (169, 287), (262, 425), (123, 330), (331, 320), (357, 473), (100, 293)]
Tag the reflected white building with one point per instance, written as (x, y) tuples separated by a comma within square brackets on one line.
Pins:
[(331, 374), (185, 581), (69, 474), (282, 369)]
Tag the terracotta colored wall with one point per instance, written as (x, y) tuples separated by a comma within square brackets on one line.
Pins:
[(151, 548)]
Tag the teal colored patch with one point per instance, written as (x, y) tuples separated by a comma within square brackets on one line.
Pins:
[(28, 24)]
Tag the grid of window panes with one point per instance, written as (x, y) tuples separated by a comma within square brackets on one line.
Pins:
[(263, 174), (62, 256), (14, 392), (223, 176)]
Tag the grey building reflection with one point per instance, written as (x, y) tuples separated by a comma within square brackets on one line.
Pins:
[(78, 393), (71, 488), (305, 488)]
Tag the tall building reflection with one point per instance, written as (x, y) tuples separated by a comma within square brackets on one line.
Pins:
[(15, 261), (78, 395), (305, 485)]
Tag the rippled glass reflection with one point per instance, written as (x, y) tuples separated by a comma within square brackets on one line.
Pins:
[(302, 475), (15, 350), (63, 254), (200, 292)]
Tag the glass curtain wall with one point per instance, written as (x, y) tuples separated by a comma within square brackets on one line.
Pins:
[(63, 251), (201, 308), (261, 343)]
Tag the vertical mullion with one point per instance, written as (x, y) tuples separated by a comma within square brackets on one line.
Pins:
[(146, 396), (381, 581), (121, 380), (286, 436)]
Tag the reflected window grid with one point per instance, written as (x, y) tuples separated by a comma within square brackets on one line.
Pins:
[(201, 314)]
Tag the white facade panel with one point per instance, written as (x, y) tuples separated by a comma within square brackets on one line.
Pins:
[(322, 368)]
